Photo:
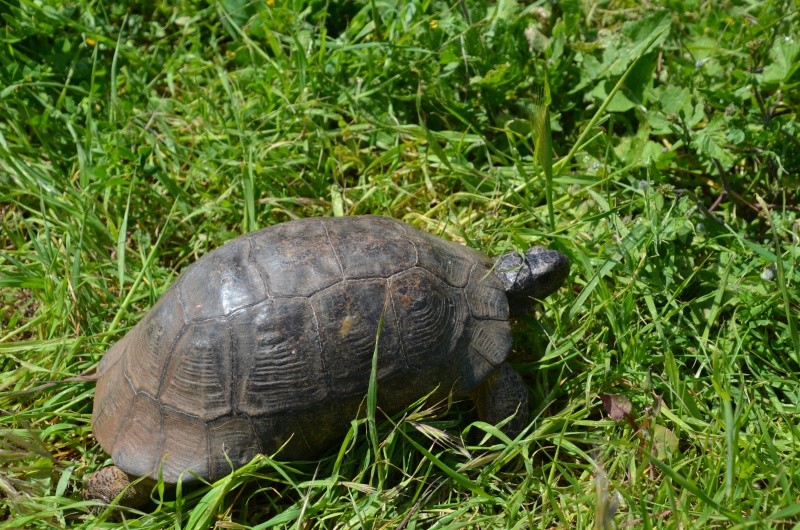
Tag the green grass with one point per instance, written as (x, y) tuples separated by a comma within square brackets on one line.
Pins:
[(135, 138)]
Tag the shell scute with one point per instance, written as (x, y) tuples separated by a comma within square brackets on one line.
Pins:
[(279, 358), (295, 259), (197, 379)]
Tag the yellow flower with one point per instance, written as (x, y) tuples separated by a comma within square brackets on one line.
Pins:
[(434, 24), (90, 41)]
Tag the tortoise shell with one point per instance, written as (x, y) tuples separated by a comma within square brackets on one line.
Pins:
[(266, 343)]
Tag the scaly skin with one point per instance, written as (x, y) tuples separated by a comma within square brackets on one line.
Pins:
[(501, 395), (105, 485)]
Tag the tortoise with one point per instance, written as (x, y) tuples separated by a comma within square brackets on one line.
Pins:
[(266, 343)]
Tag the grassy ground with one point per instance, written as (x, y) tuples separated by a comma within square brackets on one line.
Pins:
[(134, 137)]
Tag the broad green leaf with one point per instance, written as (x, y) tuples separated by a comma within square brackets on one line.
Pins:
[(710, 141), (783, 60)]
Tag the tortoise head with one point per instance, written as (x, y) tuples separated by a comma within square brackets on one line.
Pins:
[(530, 276)]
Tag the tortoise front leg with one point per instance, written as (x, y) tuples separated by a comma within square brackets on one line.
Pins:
[(501, 395)]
